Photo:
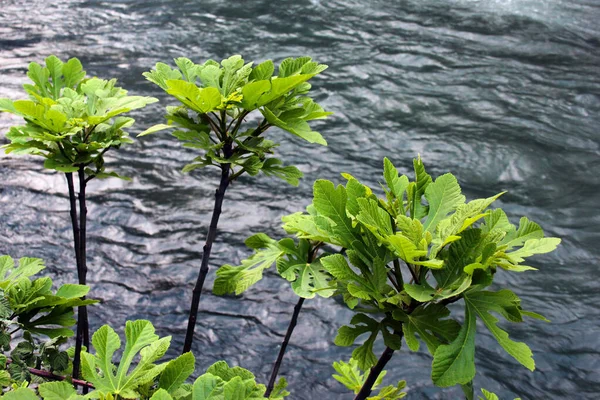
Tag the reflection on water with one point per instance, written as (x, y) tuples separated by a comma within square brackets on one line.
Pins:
[(505, 94)]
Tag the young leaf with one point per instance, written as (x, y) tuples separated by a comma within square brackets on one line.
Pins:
[(443, 196), (279, 390), (106, 377), (352, 377), (237, 279), (176, 372), (347, 335), (58, 391)]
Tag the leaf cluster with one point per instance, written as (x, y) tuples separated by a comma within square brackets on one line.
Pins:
[(353, 378), (215, 98), (71, 120), (295, 262), (32, 307), (406, 256)]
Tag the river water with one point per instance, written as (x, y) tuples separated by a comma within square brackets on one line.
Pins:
[(503, 93)]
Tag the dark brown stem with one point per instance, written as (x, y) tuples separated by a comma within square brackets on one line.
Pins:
[(290, 330), (82, 338), (367, 387), (284, 345), (451, 300), (398, 274), (414, 275), (393, 280), (50, 376), (210, 238)]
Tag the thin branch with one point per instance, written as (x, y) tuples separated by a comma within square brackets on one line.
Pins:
[(412, 272), (82, 316), (290, 330), (53, 377), (87, 135), (236, 175), (240, 119), (398, 274), (284, 345), (451, 300), (62, 151), (214, 126), (210, 238), (386, 356), (393, 280)]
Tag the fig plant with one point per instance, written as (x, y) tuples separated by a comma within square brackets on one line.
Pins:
[(72, 121), (30, 311), (405, 257), (398, 260), (215, 100)]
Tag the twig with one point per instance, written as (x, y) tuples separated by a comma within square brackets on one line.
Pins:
[(284, 345), (210, 238), (82, 337), (53, 377), (290, 330), (367, 387)]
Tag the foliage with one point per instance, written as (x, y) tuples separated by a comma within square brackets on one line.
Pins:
[(222, 382), (31, 306), (425, 229), (352, 377), (71, 120), (216, 98), (119, 380), (308, 278), (490, 396)]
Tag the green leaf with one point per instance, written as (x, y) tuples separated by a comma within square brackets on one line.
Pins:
[(260, 93), (161, 74), (374, 218), (154, 129), (238, 279), (352, 377), (108, 378), (279, 391), (20, 394), (262, 71), (200, 100), (176, 372), (533, 246), (417, 189), (423, 292), (57, 391), (464, 217), (291, 66), (207, 387), (71, 291), (505, 303), (308, 279), (527, 230), (396, 184), (410, 253), (296, 126), (330, 202), (274, 167), (444, 196), (429, 322), (454, 363), (459, 255), (347, 335), (161, 394)]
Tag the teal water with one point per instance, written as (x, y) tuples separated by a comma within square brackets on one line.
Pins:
[(505, 94)]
